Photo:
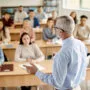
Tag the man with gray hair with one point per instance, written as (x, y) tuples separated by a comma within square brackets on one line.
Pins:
[(69, 66)]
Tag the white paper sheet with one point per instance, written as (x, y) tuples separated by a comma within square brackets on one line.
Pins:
[(28, 64)]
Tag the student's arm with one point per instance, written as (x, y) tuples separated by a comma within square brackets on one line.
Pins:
[(75, 31), (45, 15), (38, 53), (44, 35), (48, 35), (33, 37), (37, 22), (12, 23), (25, 15), (8, 37), (16, 17), (88, 28), (18, 55)]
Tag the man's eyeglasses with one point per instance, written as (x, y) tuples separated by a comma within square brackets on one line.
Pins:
[(58, 29)]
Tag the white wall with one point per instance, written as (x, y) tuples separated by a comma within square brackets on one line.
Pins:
[(20, 2), (63, 11)]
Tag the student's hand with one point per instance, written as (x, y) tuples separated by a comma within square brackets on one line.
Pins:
[(0, 42), (31, 69), (29, 60), (49, 40)]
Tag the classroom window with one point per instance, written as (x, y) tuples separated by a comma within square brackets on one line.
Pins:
[(85, 4), (76, 4)]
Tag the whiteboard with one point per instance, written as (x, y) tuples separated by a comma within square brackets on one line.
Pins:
[(5, 3)]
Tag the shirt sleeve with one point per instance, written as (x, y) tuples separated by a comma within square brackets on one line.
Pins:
[(8, 38), (47, 35), (59, 73), (38, 53), (18, 55), (25, 15), (16, 17), (32, 36), (37, 23), (44, 35)]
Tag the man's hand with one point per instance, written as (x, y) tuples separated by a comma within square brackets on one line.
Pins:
[(31, 69)]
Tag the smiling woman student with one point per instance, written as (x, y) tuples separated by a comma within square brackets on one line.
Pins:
[(27, 51)]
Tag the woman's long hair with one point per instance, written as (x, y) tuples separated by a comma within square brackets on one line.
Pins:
[(75, 18), (3, 28)]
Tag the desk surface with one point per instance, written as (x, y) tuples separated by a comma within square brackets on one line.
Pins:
[(47, 49), (40, 43), (20, 77), (19, 71), (17, 30)]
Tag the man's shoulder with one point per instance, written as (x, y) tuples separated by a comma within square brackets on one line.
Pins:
[(79, 41), (35, 18)]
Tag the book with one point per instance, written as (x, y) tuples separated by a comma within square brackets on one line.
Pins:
[(6, 67)]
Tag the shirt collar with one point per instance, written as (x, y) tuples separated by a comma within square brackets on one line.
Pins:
[(66, 40)]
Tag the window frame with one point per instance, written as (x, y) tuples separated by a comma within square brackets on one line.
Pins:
[(80, 6)]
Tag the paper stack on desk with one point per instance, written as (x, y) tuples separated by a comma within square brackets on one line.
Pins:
[(28, 64), (57, 41)]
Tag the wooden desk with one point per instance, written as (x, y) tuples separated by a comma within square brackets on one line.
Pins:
[(18, 25), (20, 77), (47, 49), (43, 23), (15, 34), (9, 50)]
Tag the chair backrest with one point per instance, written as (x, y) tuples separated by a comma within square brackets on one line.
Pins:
[(5, 58)]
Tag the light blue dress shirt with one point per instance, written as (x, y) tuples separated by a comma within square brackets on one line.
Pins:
[(69, 66)]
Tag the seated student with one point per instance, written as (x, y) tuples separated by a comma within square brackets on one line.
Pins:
[(73, 14), (82, 30), (20, 15), (48, 30), (27, 52), (1, 57), (7, 20), (40, 14), (33, 19), (4, 33), (28, 29), (54, 15)]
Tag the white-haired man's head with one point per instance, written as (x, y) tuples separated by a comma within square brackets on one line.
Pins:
[(65, 24)]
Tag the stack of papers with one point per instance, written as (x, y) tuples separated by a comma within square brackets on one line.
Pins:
[(28, 64), (57, 41)]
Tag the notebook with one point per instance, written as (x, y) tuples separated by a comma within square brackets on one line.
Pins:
[(6, 68)]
